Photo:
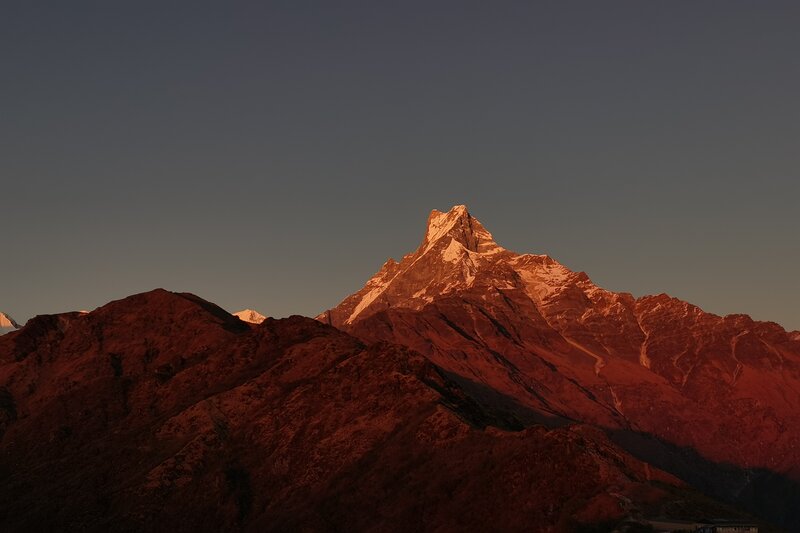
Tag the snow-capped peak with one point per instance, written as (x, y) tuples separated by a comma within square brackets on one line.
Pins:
[(6, 322), (455, 248), (456, 254), (251, 316), (440, 223), (461, 226)]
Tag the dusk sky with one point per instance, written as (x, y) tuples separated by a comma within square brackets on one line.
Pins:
[(273, 155)]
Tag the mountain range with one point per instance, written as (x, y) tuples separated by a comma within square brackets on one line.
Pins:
[(714, 399), (464, 387)]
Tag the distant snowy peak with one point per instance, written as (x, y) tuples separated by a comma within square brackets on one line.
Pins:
[(251, 316), (8, 323)]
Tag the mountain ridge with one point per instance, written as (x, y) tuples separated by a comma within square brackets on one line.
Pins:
[(530, 328), (456, 224), (456, 384), (161, 411)]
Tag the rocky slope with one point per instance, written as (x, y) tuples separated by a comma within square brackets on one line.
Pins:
[(162, 412), (714, 399)]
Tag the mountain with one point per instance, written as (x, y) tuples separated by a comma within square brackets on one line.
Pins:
[(248, 315), (714, 400), (7, 324), (162, 412)]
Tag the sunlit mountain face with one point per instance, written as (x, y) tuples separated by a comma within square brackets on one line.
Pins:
[(682, 388), (466, 387), (7, 324)]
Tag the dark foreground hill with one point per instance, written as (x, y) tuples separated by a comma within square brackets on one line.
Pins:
[(162, 412)]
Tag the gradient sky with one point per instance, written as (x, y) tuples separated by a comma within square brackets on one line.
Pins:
[(274, 154)]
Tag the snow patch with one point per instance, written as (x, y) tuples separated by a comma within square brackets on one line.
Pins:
[(7, 322), (543, 280), (251, 316), (441, 223), (365, 301), (453, 252), (644, 359)]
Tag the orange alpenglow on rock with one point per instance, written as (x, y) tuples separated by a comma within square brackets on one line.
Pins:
[(251, 316), (7, 323), (507, 391), (527, 328)]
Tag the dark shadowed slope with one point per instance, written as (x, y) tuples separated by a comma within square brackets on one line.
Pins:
[(725, 390), (163, 412)]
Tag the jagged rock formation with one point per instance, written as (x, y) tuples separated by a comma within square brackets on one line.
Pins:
[(725, 391)]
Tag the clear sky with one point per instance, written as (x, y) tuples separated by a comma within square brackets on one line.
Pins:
[(274, 154)]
